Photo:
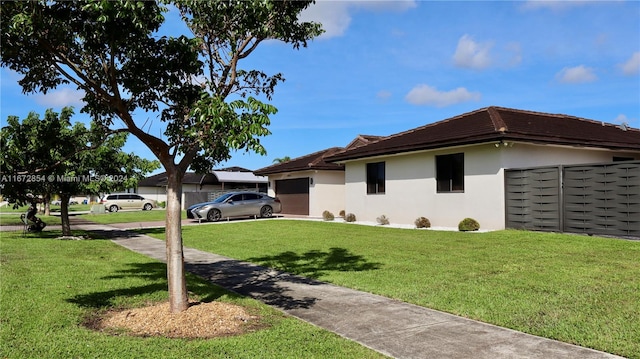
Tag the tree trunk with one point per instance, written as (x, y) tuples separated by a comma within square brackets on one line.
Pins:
[(47, 204), (64, 213), (178, 300)]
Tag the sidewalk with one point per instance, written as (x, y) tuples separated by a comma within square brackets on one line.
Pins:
[(394, 328)]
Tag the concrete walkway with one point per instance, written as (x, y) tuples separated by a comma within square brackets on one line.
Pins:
[(391, 327)]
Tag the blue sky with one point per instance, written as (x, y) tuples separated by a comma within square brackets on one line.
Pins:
[(386, 67)]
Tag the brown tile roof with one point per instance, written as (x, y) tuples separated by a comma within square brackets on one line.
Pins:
[(362, 140), (316, 160), (313, 161), (496, 124), (160, 179)]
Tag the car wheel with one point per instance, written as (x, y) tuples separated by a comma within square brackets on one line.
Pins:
[(266, 212), (113, 208), (147, 207), (214, 215)]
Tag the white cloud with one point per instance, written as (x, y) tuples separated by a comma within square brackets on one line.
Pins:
[(576, 75), (428, 95), (632, 66), (385, 5), (471, 54), (60, 98), (335, 16), (621, 118)]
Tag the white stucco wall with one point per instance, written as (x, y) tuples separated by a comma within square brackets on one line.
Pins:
[(159, 194), (411, 186), (326, 193)]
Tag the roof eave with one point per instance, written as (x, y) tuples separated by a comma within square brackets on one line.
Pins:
[(488, 139)]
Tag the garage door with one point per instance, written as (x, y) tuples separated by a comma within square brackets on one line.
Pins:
[(294, 195)]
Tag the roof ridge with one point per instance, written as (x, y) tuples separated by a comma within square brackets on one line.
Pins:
[(564, 116), (385, 138), (498, 123), (317, 153)]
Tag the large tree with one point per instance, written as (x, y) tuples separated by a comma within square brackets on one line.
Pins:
[(36, 164), (111, 50)]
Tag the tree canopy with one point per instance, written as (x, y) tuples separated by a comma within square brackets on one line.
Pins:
[(112, 51), (77, 160)]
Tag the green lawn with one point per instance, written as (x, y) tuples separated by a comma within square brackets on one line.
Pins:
[(50, 286), (576, 289), (128, 216), (10, 216)]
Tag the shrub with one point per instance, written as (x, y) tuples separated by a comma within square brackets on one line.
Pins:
[(468, 224), (328, 216), (422, 222), (162, 204), (382, 220), (350, 217), (341, 214)]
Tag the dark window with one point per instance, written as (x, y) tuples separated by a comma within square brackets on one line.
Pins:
[(375, 177), (250, 197), (620, 159), (236, 198), (450, 173)]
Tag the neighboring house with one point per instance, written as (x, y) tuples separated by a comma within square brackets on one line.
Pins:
[(200, 187), (309, 185), (455, 168)]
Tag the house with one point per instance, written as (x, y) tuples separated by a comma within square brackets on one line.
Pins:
[(309, 185), (202, 187), (455, 168)]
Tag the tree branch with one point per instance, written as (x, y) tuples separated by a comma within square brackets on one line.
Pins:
[(89, 148)]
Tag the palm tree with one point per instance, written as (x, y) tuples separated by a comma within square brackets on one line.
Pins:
[(282, 160)]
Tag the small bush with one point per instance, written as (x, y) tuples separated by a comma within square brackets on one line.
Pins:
[(468, 224), (350, 217), (382, 220), (341, 214), (162, 204), (328, 216), (422, 222)]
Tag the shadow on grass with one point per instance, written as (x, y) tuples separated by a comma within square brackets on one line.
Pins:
[(314, 264), (150, 231), (273, 279), (155, 275)]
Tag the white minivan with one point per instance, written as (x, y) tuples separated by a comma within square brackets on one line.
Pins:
[(117, 201)]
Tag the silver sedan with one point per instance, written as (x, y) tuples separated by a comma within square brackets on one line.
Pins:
[(235, 204)]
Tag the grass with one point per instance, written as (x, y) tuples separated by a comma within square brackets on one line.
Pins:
[(128, 216), (49, 287), (576, 289), (75, 207), (10, 216)]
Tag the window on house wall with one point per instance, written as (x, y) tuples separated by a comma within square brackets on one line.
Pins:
[(450, 173), (375, 178)]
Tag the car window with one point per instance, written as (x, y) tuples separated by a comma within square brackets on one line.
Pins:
[(251, 196), (222, 198), (236, 198), (112, 197), (137, 197)]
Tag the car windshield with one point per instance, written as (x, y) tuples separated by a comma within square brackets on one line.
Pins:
[(222, 198)]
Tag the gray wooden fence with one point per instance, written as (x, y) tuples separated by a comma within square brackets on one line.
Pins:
[(602, 199)]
